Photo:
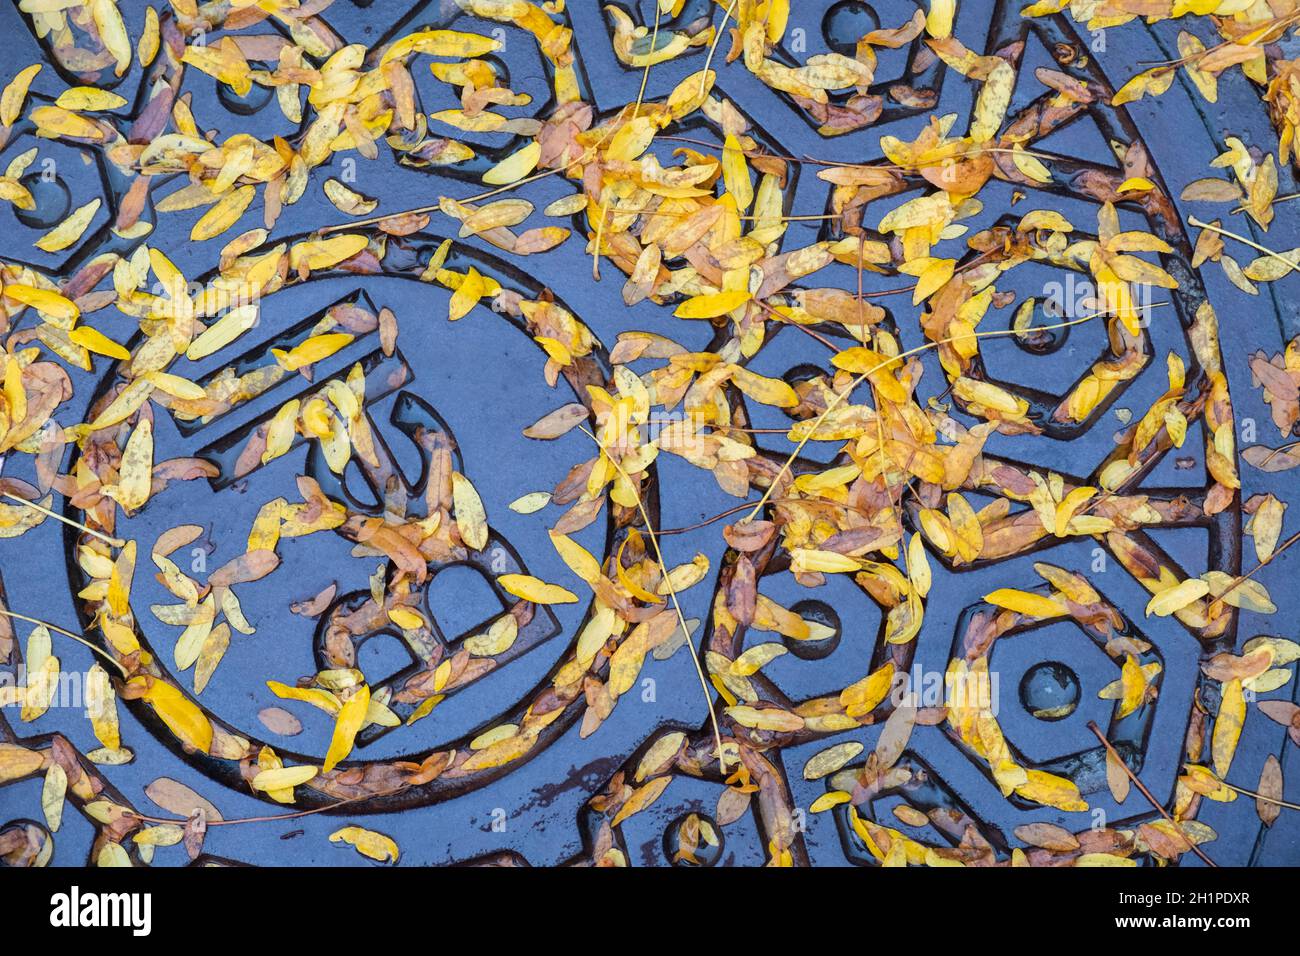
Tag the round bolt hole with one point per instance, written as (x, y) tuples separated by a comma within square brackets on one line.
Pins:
[(795, 377), (248, 104), (28, 844), (1050, 691), (1043, 341), (53, 200), (847, 22), (693, 839), (818, 612)]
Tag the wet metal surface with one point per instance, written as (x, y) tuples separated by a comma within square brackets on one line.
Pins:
[(465, 379)]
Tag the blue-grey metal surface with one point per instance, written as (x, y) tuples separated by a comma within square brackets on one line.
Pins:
[(482, 376)]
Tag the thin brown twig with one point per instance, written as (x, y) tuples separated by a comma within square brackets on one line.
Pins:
[(645, 76), (1263, 31), (1110, 749), (1243, 578), (1281, 449), (271, 817), (785, 320)]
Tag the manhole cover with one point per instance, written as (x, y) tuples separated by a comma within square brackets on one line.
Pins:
[(366, 351)]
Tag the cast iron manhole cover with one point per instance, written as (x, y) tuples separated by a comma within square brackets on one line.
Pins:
[(366, 350)]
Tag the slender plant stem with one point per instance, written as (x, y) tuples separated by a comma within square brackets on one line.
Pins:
[(1245, 241), (1259, 796), (70, 634), (1092, 725), (672, 591), (111, 542), (713, 47)]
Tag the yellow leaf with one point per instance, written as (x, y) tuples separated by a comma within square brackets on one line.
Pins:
[(52, 794), (181, 715), (406, 618), (101, 707), (515, 166), (532, 502), (1051, 791), (535, 590), (578, 558), (1103, 859), (632, 139), (767, 391), (1154, 81), (938, 23), (1024, 602), (11, 101), (346, 725), (442, 43), (1030, 165), (43, 300), (472, 289), (324, 253), (17, 762), (282, 778), (828, 800), (176, 386), (1227, 726), (1133, 685), (499, 638), (765, 718), (1266, 527), (70, 230), (112, 33), (223, 214), (126, 404), (712, 305), (1138, 184), (222, 332), (641, 798), (112, 855), (736, 174), (368, 843), (503, 213), (56, 121), (918, 565), (136, 474), (95, 341), (832, 562), (321, 699), (471, 518), (312, 350), (348, 200), (878, 368), (826, 762), (89, 98), (863, 696), (656, 759), (1174, 599)]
